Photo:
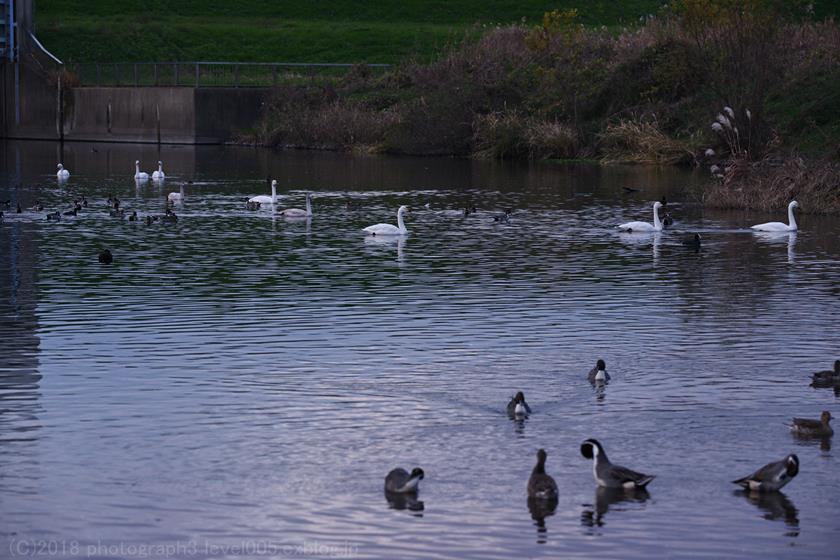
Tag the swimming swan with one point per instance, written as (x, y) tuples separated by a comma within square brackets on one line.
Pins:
[(297, 212), (176, 197), (779, 226), (388, 229), (645, 226), (62, 174), (158, 175), (265, 199), (140, 176)]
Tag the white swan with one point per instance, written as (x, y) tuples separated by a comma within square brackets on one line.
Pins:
[(176, 197), (141, 176), (62, 174), (265, 199), (779, 226), (158, 175), (645, 226), (297, 212), (388, 229)]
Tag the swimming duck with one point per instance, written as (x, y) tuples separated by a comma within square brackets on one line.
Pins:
[(808, 427), (38, 206), (84, 201), (117, 212), (692, 241), (503, 217), (540, 484), (54, 216), (667, 220), (19, 210), (828, 376), (517, 405), (398, 480), (105, 257), (133, 217), (772, 476), (252, 205), (598, 374), (169, 217), (72, 212), (608, 475)]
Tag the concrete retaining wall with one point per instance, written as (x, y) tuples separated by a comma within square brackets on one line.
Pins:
[(175, 115)]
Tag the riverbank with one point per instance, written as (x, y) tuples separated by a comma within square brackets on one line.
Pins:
[(675, 90)]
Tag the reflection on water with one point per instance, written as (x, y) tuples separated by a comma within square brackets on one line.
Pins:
[(540, 509), (775, 506), (593, 514), (779, 238), (239, 376)]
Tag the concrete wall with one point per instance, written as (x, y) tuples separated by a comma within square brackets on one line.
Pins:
[(131, 114), (176, 115)]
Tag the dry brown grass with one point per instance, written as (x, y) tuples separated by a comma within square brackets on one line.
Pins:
[(637, 141), (770, 185), (512, 135)]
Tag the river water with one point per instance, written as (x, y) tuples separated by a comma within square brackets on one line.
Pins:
[(238, 385)]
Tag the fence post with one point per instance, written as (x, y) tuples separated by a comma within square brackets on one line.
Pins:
[(196, 74), (136, 80), (116, 74), (98, 75), (176, 74), (236, 75), (156, 74), (274, 76)]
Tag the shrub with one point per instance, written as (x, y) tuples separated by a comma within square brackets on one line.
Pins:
[(638, 141)]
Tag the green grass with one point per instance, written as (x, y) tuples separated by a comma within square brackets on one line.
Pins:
[(282, 31)]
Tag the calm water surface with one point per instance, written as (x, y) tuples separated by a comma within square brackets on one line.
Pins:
[(238, 385)]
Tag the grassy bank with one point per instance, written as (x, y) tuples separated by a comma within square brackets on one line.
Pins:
[(254, 30)]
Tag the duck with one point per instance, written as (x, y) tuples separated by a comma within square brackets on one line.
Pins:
[(72, 212), (252, 205), (350, 205), (630, 190), (503, 217), (692, 241), (297, 212), (598, 374), (133, 216), (116, 211), (18, 210), (38, 206), (540, 484), (140, 176), (150, 220), (517, 405), (400, 481), (169, 217), (772, 476), (817, 428), (780, 226), (159, 175), (389, 229), (608, 475), (645, 226), (62, 173), (265, 199), (105, 257), (828, 376), (84, 201), (54, 216), (667, 220)]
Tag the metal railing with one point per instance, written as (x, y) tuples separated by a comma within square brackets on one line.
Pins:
[(210, 74)]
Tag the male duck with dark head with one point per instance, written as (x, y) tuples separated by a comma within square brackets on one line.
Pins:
[(608, 475), (541, 485), (400, 481), (599, 374), (772, 476), (517, 405), (815, 428)]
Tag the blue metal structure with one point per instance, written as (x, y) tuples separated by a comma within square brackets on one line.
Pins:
[(7, 29)]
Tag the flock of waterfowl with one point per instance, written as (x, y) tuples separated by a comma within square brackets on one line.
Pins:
[(771, 477), (610, 476)]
